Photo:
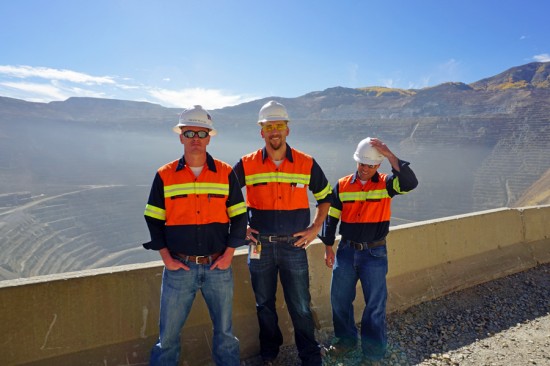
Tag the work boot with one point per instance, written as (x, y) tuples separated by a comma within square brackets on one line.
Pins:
[(339, 349)]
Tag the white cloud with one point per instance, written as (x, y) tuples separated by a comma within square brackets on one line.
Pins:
[(353, 72), (544, 57), (128, 87), (208, 98), (44, 92), (43, 84), (388, 83), (24, 72), (448, 71), (41, 92), (397, 83)]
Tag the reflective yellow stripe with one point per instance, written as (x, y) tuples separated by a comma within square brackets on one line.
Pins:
[(325, 192), (196, 188), (237, 209), (155, 212), (361, 196), (334, 212), (277, 177), (397, 187)]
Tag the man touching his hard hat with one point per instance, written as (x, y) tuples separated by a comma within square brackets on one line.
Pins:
[(362, 202)]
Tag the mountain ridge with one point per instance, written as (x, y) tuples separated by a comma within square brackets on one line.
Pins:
[(535, 75)]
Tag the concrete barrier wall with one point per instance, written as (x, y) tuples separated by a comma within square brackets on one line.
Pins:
[(109, 316)]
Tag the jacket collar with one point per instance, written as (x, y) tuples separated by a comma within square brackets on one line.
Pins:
[(209, 162), (288, 153), (375, 178)]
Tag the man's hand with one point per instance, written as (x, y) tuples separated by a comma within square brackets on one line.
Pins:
[(306, 237), (170, 263), (224, 260), (385, 150), (249, 236), (329, 256)]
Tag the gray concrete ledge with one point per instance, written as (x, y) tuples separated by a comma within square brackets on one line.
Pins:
[(109, 316)]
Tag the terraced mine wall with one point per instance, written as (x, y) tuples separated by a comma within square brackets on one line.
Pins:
[(109, 316), (86, 227), (78, 228)]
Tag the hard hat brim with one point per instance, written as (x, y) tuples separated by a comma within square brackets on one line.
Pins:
[(177, 128), (366, 160), (264, 120)]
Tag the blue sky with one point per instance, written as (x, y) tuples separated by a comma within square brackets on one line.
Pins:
[(225, 52)]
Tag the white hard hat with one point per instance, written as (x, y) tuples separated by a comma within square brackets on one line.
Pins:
[(195, 117), (367, 154), (272, 111)]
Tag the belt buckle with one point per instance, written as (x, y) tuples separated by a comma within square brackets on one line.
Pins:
[(269, 238), (198, 257)]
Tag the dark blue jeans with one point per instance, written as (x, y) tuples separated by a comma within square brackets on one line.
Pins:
[(369, 266), (291, 265), (178, 292)]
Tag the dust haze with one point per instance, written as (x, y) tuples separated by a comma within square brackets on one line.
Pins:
[(85, 188)]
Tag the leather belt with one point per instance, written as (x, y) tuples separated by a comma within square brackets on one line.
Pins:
[(197, 259), (362, 246), (278, 238)]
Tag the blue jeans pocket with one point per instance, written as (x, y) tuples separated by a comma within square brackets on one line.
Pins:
[(379, 252)]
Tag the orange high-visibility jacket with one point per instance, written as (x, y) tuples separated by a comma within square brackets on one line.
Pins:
[(191, 214), (365, 210), (277, 197), (272, 188), (363, 203)]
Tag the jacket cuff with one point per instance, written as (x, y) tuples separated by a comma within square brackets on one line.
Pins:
[(327, 241), (152, 246), (236, 242)]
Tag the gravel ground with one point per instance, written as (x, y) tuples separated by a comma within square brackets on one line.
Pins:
[(502, 322)]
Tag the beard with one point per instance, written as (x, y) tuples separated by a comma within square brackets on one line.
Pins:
[(277, 143)]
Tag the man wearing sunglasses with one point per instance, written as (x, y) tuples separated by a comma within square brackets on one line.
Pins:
[(196, 217), (361, 201), (277, 179)]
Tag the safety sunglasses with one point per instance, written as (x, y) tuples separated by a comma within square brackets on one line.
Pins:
[(274, 126), (369, 165), (190, 134)]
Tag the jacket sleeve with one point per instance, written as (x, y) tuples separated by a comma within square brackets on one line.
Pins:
[(155, 215), (238, 169), (401, 182), (236, 209), (328, 231), (319, 185)]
